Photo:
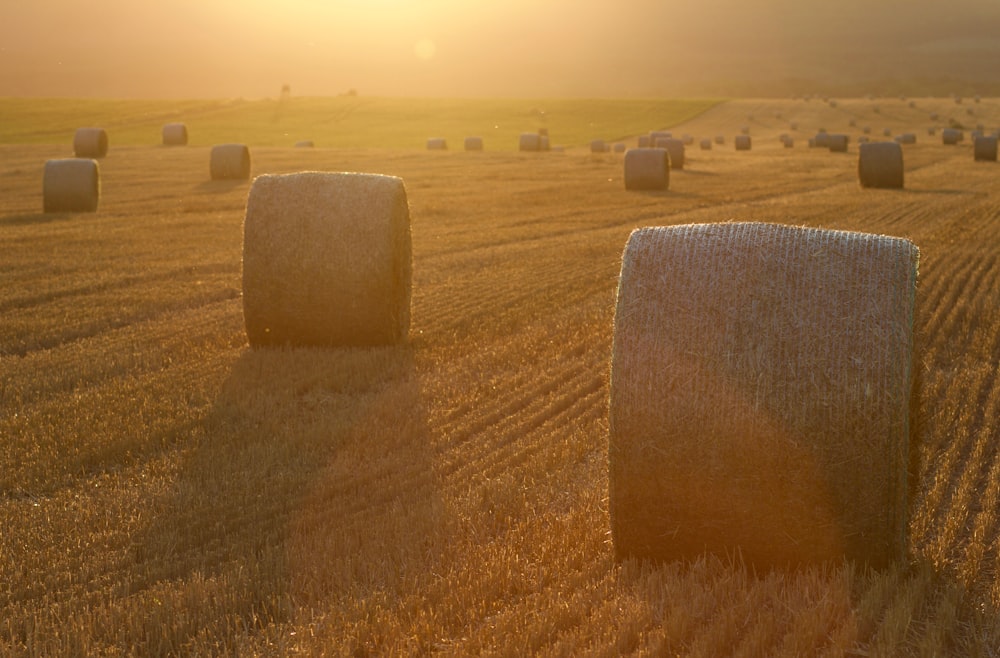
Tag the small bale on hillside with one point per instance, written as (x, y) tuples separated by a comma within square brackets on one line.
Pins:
[(985, 149), (645, 141), (687, 139), (543, 143), (71, 185), (837, 143), (659, 134), (789, 142), (887, 132), (647, 169), (90, 143), (598, 146), (675, 148), (705, 144), (326, 260), (742, 142), (793, 126), (229, 162), (867, 130), (618, 147), (863, 139), (760, 394), (437, 144), (822, 140), (473, 143), (745, 130), (720, 139), (880, 165), (951, 136), (932, 131), (175, 134), (305, 144), (907, 138), (543, 132), (529, 142)]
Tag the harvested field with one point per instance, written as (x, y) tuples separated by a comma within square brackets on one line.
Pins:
[(166, 490)]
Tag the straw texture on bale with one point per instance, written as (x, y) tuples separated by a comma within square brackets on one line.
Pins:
[(951, 136), (229, 162), (647, 169), (326, 260), (473, 143), (437, 144), (880, 164), (175, 134), (760, 392), (529, 142), (985, 149), (742, 142), (837, 143), (71, 185), (90, 143)]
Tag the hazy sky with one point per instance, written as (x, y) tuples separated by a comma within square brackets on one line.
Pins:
[(250, 48)]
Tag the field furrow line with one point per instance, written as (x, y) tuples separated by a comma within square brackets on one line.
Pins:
[(940, 291)]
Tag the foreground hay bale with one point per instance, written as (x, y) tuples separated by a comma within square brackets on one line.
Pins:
[(529, 142), (71, 185), (647, 169), (175, 134), (473, 143), (759, 397), (742, 142), (985, 149), (229, 162), (951, 136), (880, 164), (90, 143), (326, 260)]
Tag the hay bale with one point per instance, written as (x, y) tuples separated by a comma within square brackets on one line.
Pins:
[(837, 143), (305, 144), (887, 132), (175, 134), (528, 142), (645, 141), (867, 130), (543, 143), (951, 136), (793, 126), (647, 169), (822, 140), (932, 131), (71, 185), (985, 149), (675, 149), (880, 164), (90, 143), (720, 139), (759, 396), (598, 146), (705, 144), (863, 139), (543, 132), (908, 138), (473, 143), (745, 130), (659, 134), (618, 147), (437, 144), (326, 260), (742, 142), (789, 143), (229, 162), (687, 139)]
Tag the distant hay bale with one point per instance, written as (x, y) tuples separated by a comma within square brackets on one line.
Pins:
[(659, 134), (529, 142), (789, 143), (985, 149), (880, 164), (887, 132), (720, 139), (934, 116), (543, 132), (687, 139), (326, 260), (618, 147), (437, 144), (852, 123), (305, 144), (229, 162), (598, 146), (645, 141), (90, 143), (647, 169), (822, 140), (837, 143), (71, 185), (932, 131), (745, 130), (759, 395), (175, 134), (705, 144), (908, 138), (793, 126), (951, 136), (867, 130), (543, 143), (675, 148), (863, 139), (742, 142), (473, 143)]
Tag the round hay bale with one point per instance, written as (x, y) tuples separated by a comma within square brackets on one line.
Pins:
[(760, 394), (863, 139), (908, 138), (812, 142), (867, 130), (745, 130), (793, 126), (837, 143), (659, 134), (529, 142), (598, 146), (932, 131), (326, 260), (720, 139), (437, 144), (789, 143), (887, 132), (229, 162), (852, 123), (880, 164), (175, 134), (71, 185), (543, 132), (543, 143), (675, 148), (985, 149), (473, 143), (90, 143), (951, 136), (822, 140), (645, 141), (305, 144), (934, 116), (618, 147), (647, 169), (687, 139), (742, 142), (705, 144)]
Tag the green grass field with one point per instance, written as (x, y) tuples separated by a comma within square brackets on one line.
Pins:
[(347, 121)]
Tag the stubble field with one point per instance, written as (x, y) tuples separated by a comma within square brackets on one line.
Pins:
[(166, 490)]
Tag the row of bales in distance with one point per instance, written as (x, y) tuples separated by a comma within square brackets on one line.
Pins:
[(675, 283)]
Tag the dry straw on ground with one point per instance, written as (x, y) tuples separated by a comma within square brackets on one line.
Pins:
[(742, 142), (71, 185), (473, 143), (175, 134), (985, 149), (229, 162), (880, 164), (90, 143), (647, 169), (760, 392), (326, 260)]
